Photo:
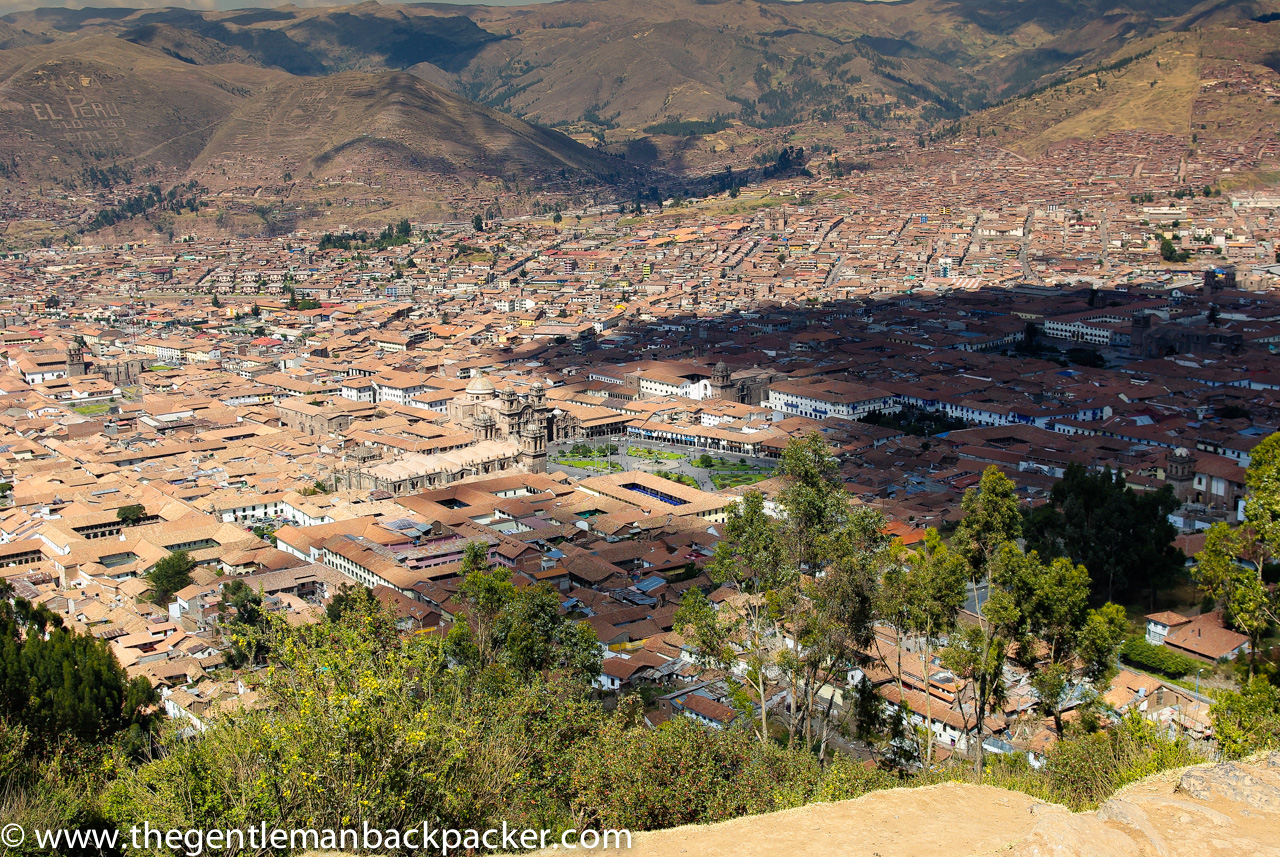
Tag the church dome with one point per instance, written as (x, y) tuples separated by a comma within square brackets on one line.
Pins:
[(481, 386)]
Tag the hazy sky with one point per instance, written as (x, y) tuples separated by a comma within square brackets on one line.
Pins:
[(7, 6)]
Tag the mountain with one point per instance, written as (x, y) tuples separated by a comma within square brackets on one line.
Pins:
[(188, 45), (101, 100), (356, 112), (145, 105), (615, 68), (1181, 84), (364, 37), (395, 122)]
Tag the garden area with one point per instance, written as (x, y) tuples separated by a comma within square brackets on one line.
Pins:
[(725, 473), (586, 457), (653, 454), (682, 478)]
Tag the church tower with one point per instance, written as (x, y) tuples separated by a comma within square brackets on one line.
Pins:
[(533, 448), (76, 364), (484, 427), (722, 384), (1180, 472)]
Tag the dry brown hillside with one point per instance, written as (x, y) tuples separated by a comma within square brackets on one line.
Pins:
[(1216, 810), (1214, 81), (618, 67), (102, 101)]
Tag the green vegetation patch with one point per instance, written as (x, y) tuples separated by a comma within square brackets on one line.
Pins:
[(722, 481), (1139, 653), (655, 454), (600, 465)]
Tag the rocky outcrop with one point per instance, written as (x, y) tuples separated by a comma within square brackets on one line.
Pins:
[(1235, 782), (1230, 809)]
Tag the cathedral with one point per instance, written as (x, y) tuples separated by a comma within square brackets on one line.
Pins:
[(745, 386), (507, 416)]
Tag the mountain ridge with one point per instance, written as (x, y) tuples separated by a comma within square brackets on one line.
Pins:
[(615, 68), (72, 108)]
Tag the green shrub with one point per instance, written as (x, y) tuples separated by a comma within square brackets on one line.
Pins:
[(1139, 653), (1083, 770), (683, 773), (1248, 720)]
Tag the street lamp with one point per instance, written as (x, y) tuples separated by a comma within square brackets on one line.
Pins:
[(1198, 680)]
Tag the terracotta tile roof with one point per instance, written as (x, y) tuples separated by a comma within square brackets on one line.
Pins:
[(1206, 637)]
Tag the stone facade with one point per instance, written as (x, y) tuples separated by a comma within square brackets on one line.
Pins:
[(504, 415)]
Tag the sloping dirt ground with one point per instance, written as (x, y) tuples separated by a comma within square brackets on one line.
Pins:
[(1219, 810)]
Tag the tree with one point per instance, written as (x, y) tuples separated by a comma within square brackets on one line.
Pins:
[(485, 591), (991, 520), (1248, 603), (131, 515), (477, 223), (920, 596), (1233, 412), (520, 630), (534, 637), (52, 302), (556, 218), (1058, 630), (350, 596), (1170, 253), (1262, 506), (216, 302), (977, 654), (1247, 720), (1124, 538), (749, 558), (813, 497), (171, 574), (1030, 333), (828, 619), (1212, 315), (61, 685), (244, 623), (985, 540)]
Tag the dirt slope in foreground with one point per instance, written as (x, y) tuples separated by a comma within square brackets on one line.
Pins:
[(1223, 810)]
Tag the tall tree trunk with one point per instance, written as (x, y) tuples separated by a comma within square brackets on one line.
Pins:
[(980, 716), (764, 709), (810, 681), (926, 663), (826, 729)]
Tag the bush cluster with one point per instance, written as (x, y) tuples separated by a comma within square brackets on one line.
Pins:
[(1083, 770), (1137, 652)]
